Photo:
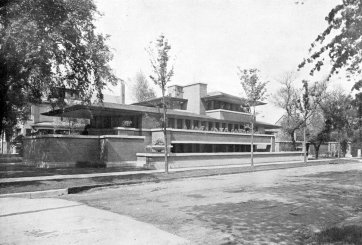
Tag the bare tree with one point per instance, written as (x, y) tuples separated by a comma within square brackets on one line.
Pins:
[(141, 89), (255, 91), (159, 58), (286, 98)]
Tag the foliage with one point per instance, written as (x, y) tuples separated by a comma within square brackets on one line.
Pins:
[(141, 88), (341, 40), (311, 99), (45, 45), (318, 130), (302, 111), (159, 141), (254, 89), (338, 110), (159, 59), (126, 123)]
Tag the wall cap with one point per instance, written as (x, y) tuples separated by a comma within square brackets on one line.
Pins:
[(229, 111), (207, 132), (83, 136), (152, 154)]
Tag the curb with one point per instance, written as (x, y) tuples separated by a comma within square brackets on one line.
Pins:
[(37, 194), (78, 189)]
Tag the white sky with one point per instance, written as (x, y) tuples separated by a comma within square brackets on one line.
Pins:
[(211, 38)]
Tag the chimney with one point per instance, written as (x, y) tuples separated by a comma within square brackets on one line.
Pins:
[(194, 94), (175, 91), (122, 95)]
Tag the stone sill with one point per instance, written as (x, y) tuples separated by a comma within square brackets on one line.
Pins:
[(150, 154), (83, 136), (207, 132)]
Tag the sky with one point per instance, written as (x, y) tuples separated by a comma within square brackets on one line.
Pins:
[(210, 39)]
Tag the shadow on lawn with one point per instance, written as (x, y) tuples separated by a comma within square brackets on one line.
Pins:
[(351, 234), (252, 222)]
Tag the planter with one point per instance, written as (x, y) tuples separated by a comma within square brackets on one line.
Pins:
[(157, 148)]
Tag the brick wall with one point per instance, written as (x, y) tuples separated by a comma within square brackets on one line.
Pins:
[(82, 151), (122, 149), (61, 149)]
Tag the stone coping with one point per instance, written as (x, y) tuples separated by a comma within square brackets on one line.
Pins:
[(83, 136), (235, 112), (207, 132), (216, 142), (126, 129), (181, 130), (153, 154)]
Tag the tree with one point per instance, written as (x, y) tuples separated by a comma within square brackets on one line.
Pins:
[(307, 106), (286, 98), (141, 88), (357, 104), (318, 130), (341, 40), (45, 45), (159, 58), (255, 91), (337, 108)]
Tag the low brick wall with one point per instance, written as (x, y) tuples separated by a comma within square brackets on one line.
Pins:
[(81, 151), (121, 150), (187, 160)]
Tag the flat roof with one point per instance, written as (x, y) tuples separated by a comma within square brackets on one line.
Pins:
[(217, 95), (151, 102), (108, 109)]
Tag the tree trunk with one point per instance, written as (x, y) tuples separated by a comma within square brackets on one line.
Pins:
[(252, 139), (305, 144), (294, 143), (165, 130), (316, 148)]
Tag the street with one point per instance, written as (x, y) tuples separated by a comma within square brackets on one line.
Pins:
[(268, 207)]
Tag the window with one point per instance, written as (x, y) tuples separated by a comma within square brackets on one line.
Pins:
[(171, 123), (209, 105), (187, 123), (216, 105), (179, 123)]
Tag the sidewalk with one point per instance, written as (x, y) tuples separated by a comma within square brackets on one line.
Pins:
[(56, 221), (67, 184)]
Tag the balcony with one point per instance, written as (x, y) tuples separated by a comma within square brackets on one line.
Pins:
[(182, 136), (227, 115)]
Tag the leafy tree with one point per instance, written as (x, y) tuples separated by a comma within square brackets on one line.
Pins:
[(302, 112), (337, 108), (357, 104), (49, 44), (307, 106), (255, 91), (341, 40), (318, 130), (159, 58), (141, 88)]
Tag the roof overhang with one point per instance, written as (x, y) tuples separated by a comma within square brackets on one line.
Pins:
[(87, 112), (267, 125), (229, 99), (157, 101)]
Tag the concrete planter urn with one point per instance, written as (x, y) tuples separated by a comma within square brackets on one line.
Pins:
[(158, 148)]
